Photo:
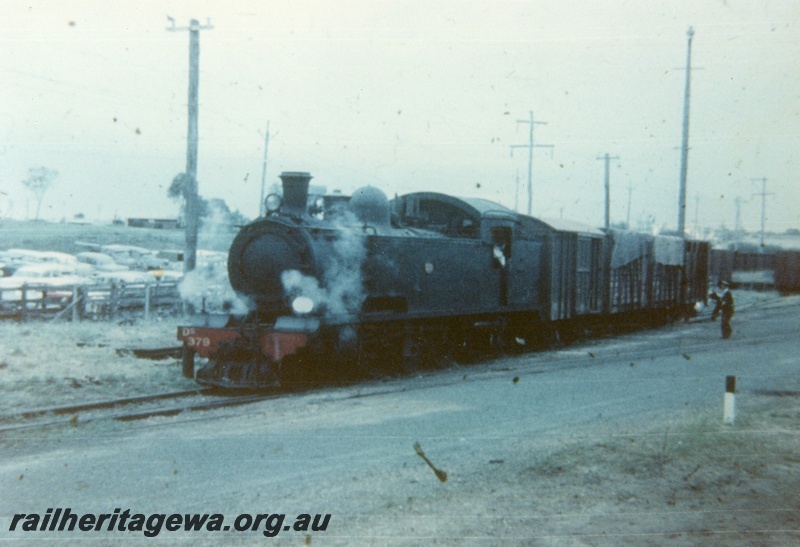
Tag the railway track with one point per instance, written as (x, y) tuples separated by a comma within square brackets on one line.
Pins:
[(183, 403), (201, 399), (128, 409)]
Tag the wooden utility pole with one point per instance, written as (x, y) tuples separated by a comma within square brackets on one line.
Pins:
[(262, 208), (628, 215), (738, 222), (607, 158), (685, 140), (190, 189), (697, 214), (763, 195), (530, 146)]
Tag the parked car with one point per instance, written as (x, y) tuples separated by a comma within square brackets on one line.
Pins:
[(55, 257), (174, 258), (14, 258), (58, 273), (134, 257), (101, 262), (169, 276), (127, 277), (51, 280), (27, 256)]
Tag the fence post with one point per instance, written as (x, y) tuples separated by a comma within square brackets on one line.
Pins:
[(113, 304), (729, 403), (83, 294), (75, 300), (146, 302), (23, 312)]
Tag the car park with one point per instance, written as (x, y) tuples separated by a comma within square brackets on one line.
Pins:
[(46, 281), (128, 277), (134, 257), (101, 262)]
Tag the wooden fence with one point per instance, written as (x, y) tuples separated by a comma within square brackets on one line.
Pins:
[(94, 302)]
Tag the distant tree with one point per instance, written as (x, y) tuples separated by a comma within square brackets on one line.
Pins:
[(39, 181), (177, 191), (177, 187), (214, 209)]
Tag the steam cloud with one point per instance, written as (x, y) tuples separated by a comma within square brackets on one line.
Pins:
[(207, 287), (342, 289)]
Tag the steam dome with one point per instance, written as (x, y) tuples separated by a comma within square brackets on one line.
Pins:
[(371, 206)]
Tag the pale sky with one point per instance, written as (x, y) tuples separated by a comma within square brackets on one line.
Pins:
[(406, 96)]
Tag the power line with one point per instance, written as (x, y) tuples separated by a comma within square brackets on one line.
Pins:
[(737, 226), (763, 195), (608, 158), (628, 216), (530, 146)]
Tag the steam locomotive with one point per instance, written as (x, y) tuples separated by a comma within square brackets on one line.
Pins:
[(340, 285)]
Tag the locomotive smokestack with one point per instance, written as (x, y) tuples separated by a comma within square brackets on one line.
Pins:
[(295, 191)]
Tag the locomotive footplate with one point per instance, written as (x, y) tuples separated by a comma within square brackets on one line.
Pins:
[(246, 356)]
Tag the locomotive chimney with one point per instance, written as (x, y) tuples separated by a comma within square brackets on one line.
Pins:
[(295, 191)]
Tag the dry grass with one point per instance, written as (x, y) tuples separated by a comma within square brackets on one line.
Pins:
[(45, 364), (697, 483)]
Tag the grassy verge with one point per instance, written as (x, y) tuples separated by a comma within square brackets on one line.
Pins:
[(692, 482)]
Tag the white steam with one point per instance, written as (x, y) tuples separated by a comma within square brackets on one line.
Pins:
[(207, 289), (341, 291)]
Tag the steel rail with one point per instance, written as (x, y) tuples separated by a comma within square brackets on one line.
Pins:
[(72, 409), (528, 367)]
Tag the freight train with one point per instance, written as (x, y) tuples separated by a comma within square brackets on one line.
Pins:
[(362, 284)]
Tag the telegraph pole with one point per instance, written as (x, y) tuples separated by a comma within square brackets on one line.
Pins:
[(262, 208), (763, 195), (738, 222), (628, 216), (190, 190), (530, 146), (685, 139), (607, 158)]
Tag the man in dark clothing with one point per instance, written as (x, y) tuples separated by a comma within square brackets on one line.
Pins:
[(724, 307)]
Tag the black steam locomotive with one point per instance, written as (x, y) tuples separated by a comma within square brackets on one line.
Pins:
[(337, 285)]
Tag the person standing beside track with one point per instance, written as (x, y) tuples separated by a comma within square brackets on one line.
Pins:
[(724, 307)]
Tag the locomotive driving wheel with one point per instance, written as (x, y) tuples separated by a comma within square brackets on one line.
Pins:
[(379, 349)]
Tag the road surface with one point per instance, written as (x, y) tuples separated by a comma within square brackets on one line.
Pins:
[(507, 434)]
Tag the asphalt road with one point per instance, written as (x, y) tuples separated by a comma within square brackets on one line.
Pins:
[(349, 452)]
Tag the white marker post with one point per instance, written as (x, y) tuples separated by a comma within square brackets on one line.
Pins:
[(729, 405)]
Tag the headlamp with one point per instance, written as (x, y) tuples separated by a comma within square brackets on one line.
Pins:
[(302, 305), (272, 203)]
